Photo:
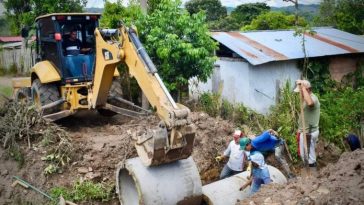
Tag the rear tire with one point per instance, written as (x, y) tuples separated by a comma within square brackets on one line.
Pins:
[(43, 94)]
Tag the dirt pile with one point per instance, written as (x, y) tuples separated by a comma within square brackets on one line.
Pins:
[(339, 183), (212, 137)]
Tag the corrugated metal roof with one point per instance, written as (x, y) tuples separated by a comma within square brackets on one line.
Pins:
[(260, 47), (8, 39)]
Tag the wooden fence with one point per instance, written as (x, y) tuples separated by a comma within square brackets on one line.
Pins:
[(17, 55)]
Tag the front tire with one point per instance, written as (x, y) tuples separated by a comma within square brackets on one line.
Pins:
[(43, 94)]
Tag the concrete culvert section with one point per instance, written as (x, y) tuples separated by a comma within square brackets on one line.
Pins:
[(226, 191), (174, 183)]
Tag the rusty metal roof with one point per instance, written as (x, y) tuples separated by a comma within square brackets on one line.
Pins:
[(259, 47), (7, 39)]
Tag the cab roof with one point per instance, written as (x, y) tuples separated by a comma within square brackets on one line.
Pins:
[(67, 14)]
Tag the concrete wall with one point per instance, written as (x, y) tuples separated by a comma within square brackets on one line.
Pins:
[(341, 66), (254, 86)]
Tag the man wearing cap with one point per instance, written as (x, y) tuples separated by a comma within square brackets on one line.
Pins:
[(311, 114), (269, 142), (260, 173), (235, 164)]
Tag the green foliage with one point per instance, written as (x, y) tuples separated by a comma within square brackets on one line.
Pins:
[(341, 111), (284, 117), (272, 21), (21, 13), (225, 24), (213, 8), (115, 12), (6, 90), (346, 15), (178, 43), (83, 191), (245, 13), (210, 103), (4, 27), (240, 16)]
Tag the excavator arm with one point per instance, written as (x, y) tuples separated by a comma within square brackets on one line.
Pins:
[(174, 137)]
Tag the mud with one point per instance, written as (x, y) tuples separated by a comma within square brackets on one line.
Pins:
[(100, 143), (338, 183)]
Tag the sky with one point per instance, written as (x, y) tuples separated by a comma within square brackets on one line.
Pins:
[(230, 3)]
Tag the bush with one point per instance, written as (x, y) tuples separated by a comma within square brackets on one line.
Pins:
[(341, 111)]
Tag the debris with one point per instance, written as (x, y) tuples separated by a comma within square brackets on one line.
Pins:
[(26, 185), (82, 170)]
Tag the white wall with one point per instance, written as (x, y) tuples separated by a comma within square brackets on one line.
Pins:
[(254, 86)]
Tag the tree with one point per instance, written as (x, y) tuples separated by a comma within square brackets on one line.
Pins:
[(115, 12), (245, 13), (23, 12), (346, 15), (178, 43), (274, 20), (213, 8)]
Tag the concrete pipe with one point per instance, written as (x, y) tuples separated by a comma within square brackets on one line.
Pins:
[(226, 191), (174, 183)]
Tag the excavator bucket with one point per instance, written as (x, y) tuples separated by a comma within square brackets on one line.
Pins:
[(154, 148)]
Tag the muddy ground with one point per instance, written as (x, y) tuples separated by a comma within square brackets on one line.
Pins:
[(338, 183), (101, 143)]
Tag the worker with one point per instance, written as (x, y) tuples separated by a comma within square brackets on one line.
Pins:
[(235, 164), (73, 45), (269, 142), (353, 142), (259, 173), (311, 114)]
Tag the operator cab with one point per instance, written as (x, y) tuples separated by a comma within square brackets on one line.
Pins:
[(74, 59)]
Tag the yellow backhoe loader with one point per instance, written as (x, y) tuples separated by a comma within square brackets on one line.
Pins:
[(64, 81)]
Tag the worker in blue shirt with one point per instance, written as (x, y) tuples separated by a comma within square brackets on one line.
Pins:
[(259, 172), (269, 142)]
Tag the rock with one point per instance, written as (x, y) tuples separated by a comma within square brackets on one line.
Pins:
[(202, 126), (88, 157), (99, 146), (5, 172), (252, 203), (268, 200), (92, 175), (82, 170), (323, 190), (90, 169)]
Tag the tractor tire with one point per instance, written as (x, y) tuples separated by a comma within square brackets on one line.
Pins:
[(22, 95), (115, 90), (43, 94)]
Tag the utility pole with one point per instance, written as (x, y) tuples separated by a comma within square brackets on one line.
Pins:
[(295, 2)]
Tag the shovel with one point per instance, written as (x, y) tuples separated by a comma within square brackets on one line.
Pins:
[(306, 170)]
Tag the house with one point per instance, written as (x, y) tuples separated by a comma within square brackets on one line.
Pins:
[(15, 53), (252, 66)]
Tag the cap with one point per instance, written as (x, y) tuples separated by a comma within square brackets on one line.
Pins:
[(243, 142), (305, 83), (257, 158)]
